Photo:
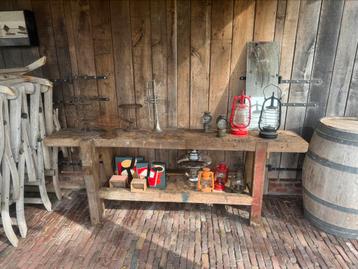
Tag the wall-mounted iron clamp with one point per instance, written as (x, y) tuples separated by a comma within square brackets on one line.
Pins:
[(70, 79)]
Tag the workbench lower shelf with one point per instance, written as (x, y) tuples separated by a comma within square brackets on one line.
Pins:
[(177, 191)]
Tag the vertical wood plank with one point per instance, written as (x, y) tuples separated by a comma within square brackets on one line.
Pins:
[(258, 182), (220, 54), (142, 61), (302, 68), (183, 69), (243, 30), (344, 61), (352, 100), (90, 166), (327, 40), (200, 60), (158, 16), (64, 61), (81, 21), (265, 19), (123, 62), (287, 38), (103, 56), (172, 64)]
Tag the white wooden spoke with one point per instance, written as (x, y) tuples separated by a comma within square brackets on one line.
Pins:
[(42, 134), (8, 156), (34, 116), (48, 102), (41, 178), (20, 212), (15, 124), (5, 198), (55, 179), (23, 70), (2, 134)]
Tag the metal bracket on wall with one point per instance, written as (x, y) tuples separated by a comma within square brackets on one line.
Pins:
[(300, 104), (299, 81), (83, 100), (70, 79)]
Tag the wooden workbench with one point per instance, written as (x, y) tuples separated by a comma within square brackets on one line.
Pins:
[(89, 141)]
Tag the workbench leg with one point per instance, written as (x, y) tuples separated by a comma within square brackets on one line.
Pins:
[(258, 182), (90, 166)]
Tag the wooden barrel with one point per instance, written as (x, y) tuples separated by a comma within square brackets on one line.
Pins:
[(330, 177)]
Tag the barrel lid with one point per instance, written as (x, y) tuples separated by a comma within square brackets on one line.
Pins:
[(345, 124)]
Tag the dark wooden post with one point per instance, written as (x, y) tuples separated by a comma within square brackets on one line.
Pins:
[(258, 182), (90, 166)]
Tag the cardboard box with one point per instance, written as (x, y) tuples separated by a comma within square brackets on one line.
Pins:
[(118, 181), (139, 185)]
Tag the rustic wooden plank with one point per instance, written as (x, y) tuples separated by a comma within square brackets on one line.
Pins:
[(158, 16), (123, 62), (344, 61), (142, 62), (64, 62), (200, 60), (103, 57), (243, 25), (90, 166), (155, 195), (177, 139), (287, 48), (258, 182), (323, 63), (81, 23), (183, 69), (220, 54), (265, 19), (172, 69), (302, 68), (352, 100)]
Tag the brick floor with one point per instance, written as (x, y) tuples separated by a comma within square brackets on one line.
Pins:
[(149, 235)]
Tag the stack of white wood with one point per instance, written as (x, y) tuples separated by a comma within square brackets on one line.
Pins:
[(26, 117)]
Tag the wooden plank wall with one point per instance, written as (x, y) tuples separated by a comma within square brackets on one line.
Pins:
[(196, 51)]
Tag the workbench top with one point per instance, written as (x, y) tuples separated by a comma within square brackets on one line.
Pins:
[(286, 141)]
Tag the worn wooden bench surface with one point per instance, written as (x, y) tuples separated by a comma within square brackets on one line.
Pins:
[(259, 149), (177, 139)]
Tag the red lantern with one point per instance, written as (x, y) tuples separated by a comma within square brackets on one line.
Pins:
[(221, 176), (240, 117)]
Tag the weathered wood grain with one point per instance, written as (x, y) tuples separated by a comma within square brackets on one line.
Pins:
[(324, 61), (183, 69), (302, 68), (177, 139), (200, 60), (265, 18), (344, 61)]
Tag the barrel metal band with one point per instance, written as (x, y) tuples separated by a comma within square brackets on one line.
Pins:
[(329, 204), (330, 228), (336, 139), (330, 164), (337, 135)]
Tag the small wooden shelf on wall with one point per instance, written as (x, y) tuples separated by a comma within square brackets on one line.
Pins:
[(179, 190)]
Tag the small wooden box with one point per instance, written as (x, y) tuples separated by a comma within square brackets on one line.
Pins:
[(118, 181), (138, 185)]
